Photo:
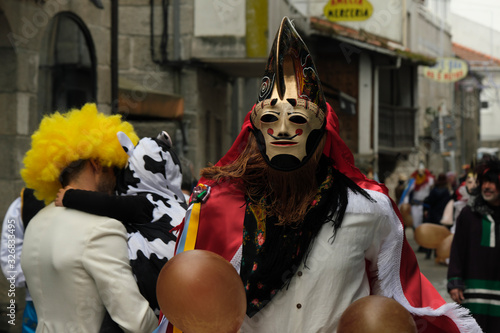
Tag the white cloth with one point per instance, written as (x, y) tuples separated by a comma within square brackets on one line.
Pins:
[(417, 211), (11, 244), (460, 204), (417, 215), (77, 267), (332, 277)]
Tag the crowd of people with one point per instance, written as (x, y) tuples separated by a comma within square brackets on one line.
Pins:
[(470, 209), (307, 232), (440, 198)]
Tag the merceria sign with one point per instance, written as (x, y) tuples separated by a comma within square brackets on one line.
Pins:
[(447, 70), (348, 10)]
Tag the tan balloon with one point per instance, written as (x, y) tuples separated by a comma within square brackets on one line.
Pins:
[(405, 210), (201, 292), (375, 314), (443, 250), (430, 235)]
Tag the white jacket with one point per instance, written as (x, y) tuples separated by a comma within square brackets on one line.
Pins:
[(77, 267)]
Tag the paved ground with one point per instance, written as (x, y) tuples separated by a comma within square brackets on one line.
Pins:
[(434, 272)]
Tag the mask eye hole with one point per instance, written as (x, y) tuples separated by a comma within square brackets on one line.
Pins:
[(268, 118), (298, 119)]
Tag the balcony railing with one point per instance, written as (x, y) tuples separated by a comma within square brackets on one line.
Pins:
[(396, 128)]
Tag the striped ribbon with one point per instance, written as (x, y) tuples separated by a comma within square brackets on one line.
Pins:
[(187, 240)]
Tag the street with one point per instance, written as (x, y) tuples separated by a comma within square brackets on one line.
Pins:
[(434, 272)]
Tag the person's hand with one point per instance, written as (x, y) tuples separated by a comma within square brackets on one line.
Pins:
[(457, 295), (60, 196)]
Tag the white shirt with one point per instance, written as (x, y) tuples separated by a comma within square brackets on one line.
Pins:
[(334, 278), (368, 244)]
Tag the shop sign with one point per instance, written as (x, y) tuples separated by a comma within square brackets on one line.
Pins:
[(348, 10), (447, 70)]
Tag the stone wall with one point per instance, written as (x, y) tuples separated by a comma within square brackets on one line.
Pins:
[(23, 25)]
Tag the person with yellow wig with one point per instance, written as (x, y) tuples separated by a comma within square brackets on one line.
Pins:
[(76, 264)]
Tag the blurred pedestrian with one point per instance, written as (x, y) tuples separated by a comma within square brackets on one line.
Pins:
[(473, 271), (451, 178), (462, 196), (435, 203), (404, 207), (14, 225), (418, 188), (398, 191)]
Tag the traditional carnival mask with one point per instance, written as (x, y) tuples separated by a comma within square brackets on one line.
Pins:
[(289, 117)]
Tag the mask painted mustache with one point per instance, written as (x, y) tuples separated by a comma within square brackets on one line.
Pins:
[(282, 138)]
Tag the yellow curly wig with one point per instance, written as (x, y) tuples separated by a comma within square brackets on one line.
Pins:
[(64, 138)]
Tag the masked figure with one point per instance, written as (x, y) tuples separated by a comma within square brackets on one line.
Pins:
[(308, 233)]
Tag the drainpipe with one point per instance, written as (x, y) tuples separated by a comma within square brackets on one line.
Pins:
[(114, 56), (175, 63), (376, 109), (178, 68), (405, 25), (176, 32)]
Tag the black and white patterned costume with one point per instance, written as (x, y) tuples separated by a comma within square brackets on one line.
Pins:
[(150, 204)]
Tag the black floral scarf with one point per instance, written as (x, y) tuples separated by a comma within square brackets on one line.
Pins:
[(272, 253)]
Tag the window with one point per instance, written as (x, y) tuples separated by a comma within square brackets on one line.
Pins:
[(67, 74)]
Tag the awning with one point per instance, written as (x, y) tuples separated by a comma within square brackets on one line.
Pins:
[(140, 100), (368, 41)]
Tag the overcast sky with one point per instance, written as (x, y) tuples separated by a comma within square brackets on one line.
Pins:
[(486, 12)]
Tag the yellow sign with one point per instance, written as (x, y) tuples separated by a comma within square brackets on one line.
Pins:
[(348, 10), (447, 70)]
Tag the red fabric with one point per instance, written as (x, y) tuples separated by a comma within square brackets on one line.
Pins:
[(226, 205), (457, 192)]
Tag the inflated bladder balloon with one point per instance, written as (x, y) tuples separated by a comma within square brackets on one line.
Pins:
[(375, 314), (201, 292), (443, 250), (430, 235), (405, 210)]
